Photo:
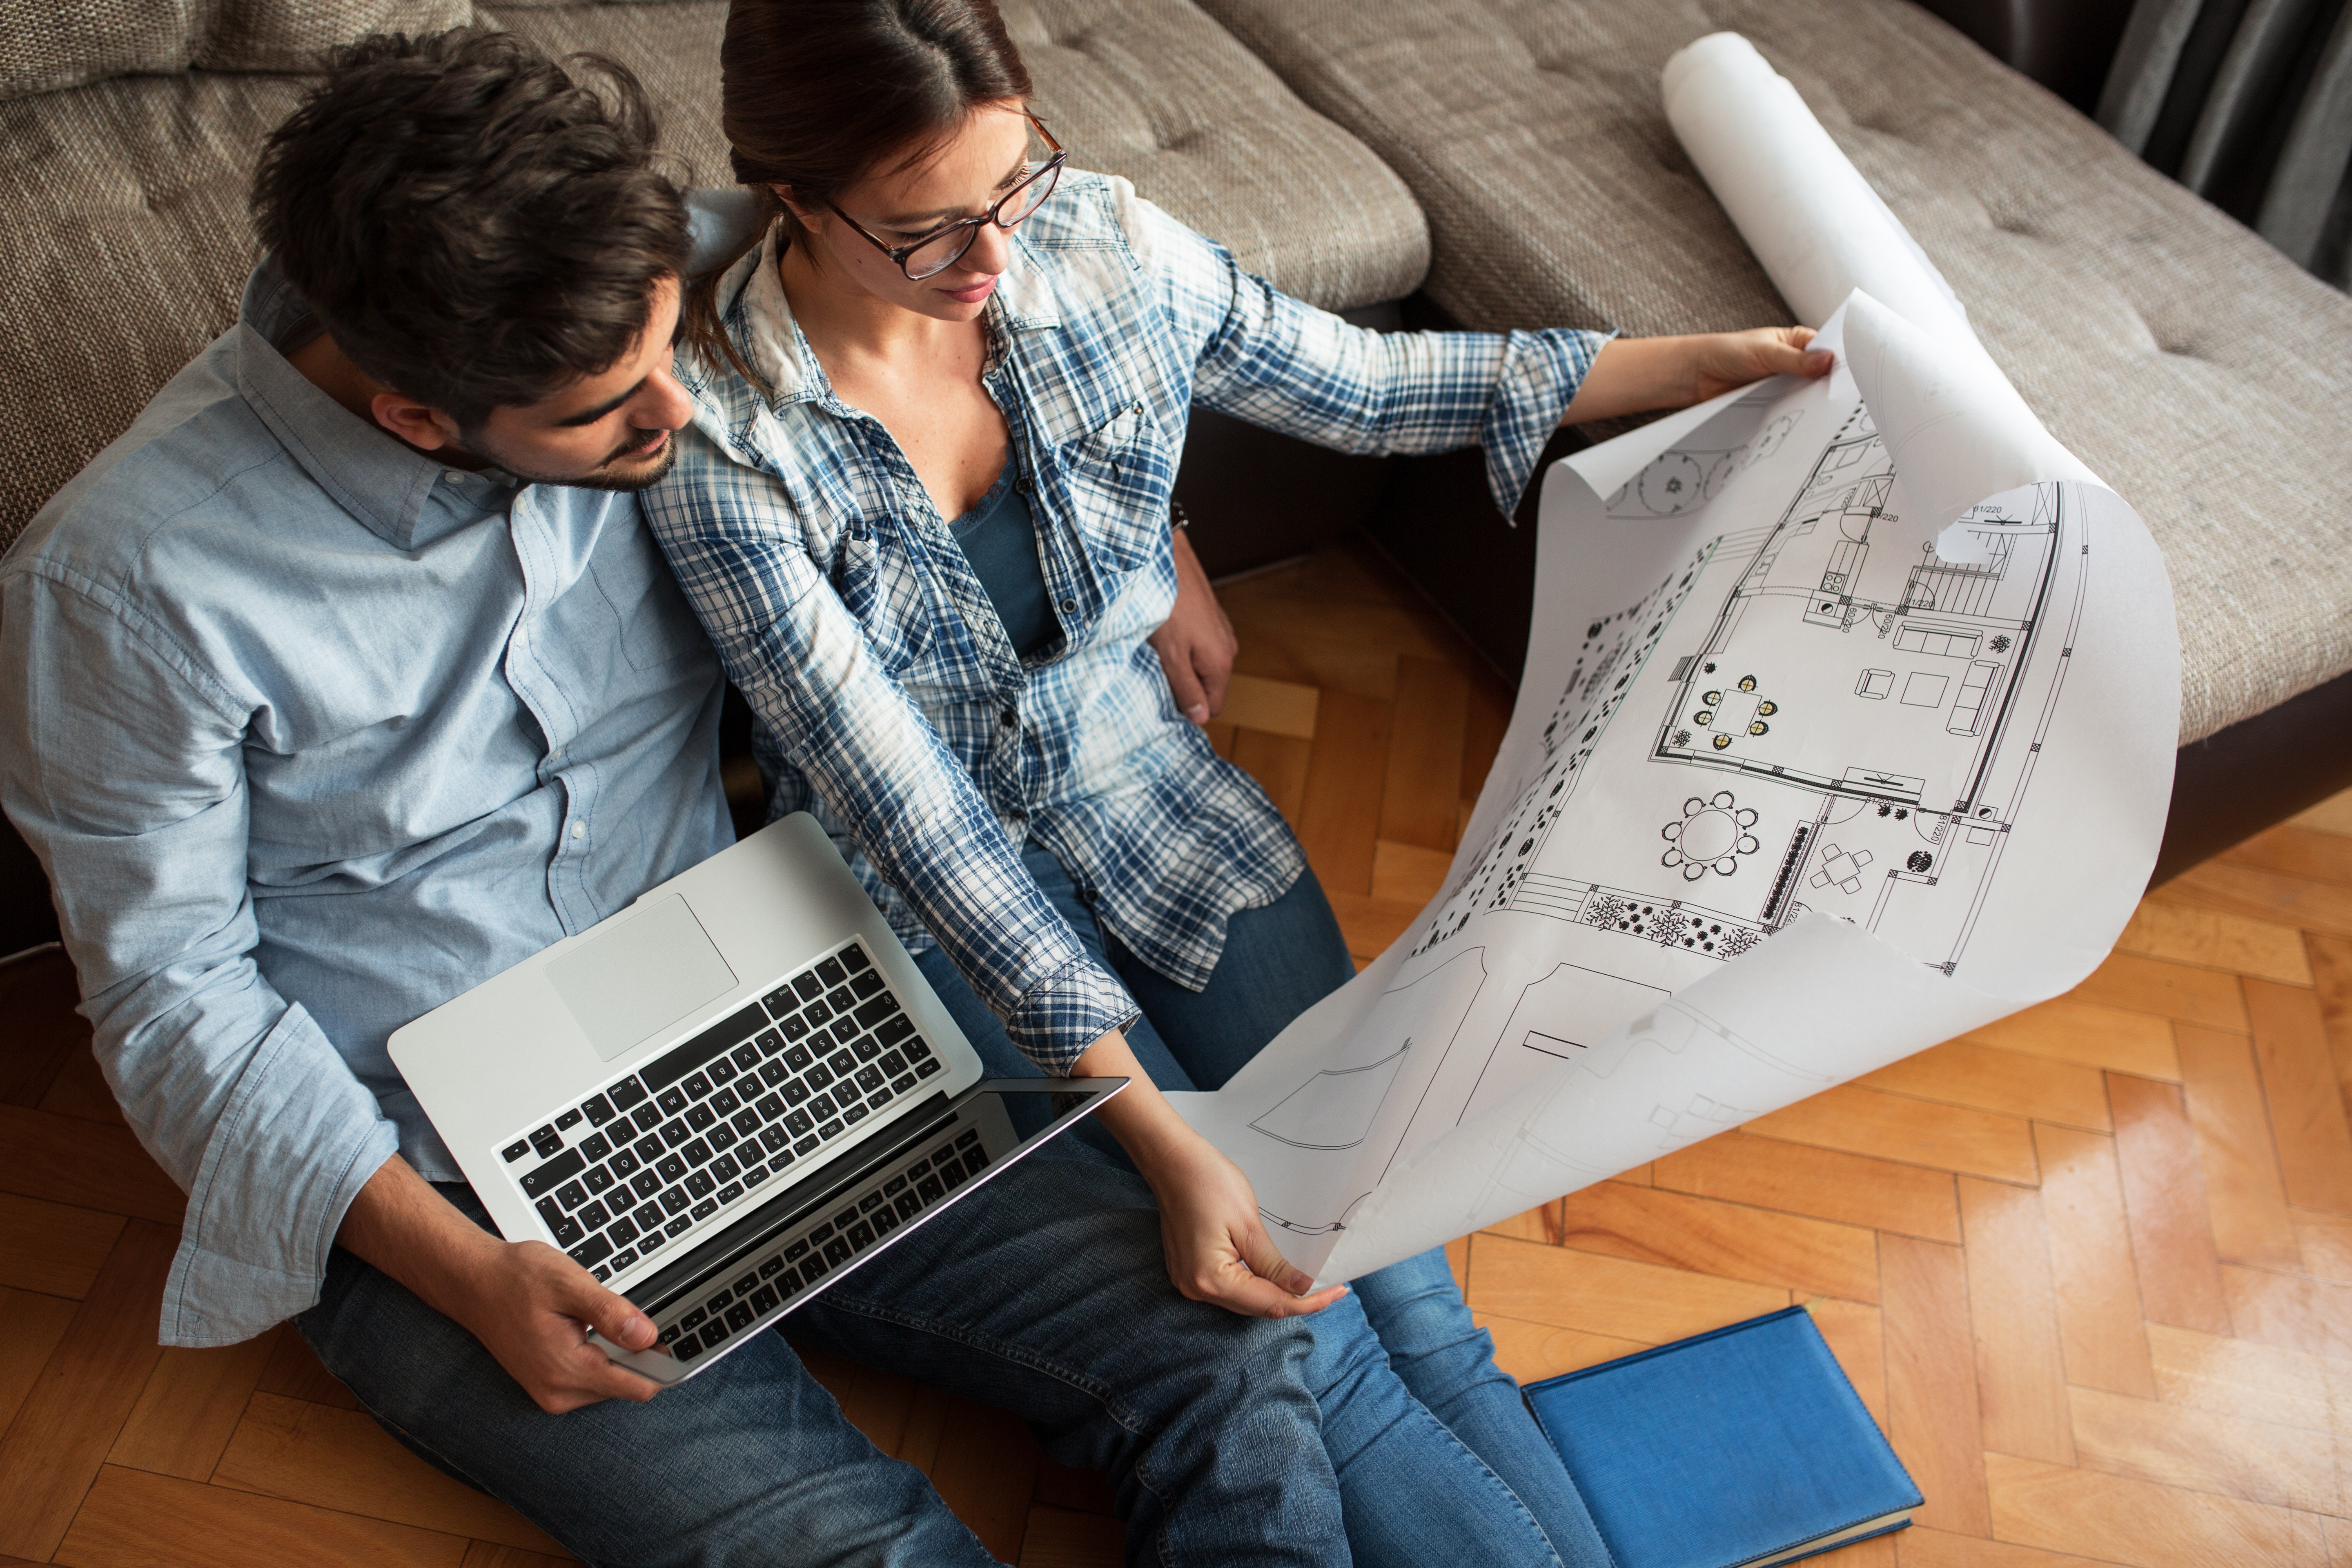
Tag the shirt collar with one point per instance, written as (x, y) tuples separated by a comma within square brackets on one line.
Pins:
[(759, 316), (399, 493)]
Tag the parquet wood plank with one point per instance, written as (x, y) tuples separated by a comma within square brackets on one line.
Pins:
[(2191, 933), (1279, 764), (80, 1089), (342, 1459), (2091, 1262), (986, 1470), (1421, 792), (1061, 1537), (1812, 1257), (1221, 737), (192, 1402), (52, 1450), (38, 993), (1063, 1486), (2251, 1380), (1602, 1295), (135, 1520), (1878, 1551), (1921, 1548), (293, 1372), (2331, 971), (64, 1160), (2333, 815), (35, 1325), (2239, 890), (1370, 923), (2325, 1240), (2293, 850), (492, 1554), (2312, 1315), (2013, 1315), (1482, 727), (1972, 1073), (1340, 817), (1856, 1335), (1798, 1178), (1932, 1417), (2314, 1144), (2181, 992), (1532, 1352), (2118, 1520), (2200, 1450), (2164, 1204), (1541, 1223), (1408, 873), (54, 1248), (2243, 1192), (1284, 708), (2068, 1031), (1893, 1127)]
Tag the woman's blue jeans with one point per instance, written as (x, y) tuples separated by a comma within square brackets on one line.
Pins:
[(1437, 1458)]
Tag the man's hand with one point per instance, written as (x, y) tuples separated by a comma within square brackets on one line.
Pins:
[(530, 1306), (1633, 375), (1195, 644), (1210, 1232)]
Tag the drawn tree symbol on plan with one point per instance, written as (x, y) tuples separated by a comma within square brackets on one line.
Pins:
[(1709, 835)]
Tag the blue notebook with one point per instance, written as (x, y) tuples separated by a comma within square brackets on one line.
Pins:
[(1738, 1449)]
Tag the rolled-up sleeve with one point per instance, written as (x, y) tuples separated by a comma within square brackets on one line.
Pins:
[(122, 763), (803, 662), (1280, 363)]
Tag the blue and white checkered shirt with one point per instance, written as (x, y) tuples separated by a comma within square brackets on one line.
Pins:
[(891, 704)]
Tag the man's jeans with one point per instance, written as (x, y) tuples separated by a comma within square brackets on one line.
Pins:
[(1042, 1293), (1437, 1458)]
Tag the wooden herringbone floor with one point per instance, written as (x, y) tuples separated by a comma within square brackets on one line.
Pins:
[(2091, 1268)]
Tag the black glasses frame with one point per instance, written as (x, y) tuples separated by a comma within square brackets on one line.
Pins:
[(970, 226)]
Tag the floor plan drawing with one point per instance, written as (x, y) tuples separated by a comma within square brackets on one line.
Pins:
[(1761, 702)]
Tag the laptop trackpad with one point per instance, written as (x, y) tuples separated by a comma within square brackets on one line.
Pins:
[(649, 972)]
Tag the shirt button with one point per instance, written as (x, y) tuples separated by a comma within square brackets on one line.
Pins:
[(1009, 717), (453, 476), (1087, 896), (1070, 606), (579, 830)]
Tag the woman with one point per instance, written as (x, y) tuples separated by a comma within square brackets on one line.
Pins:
[(923, 511)]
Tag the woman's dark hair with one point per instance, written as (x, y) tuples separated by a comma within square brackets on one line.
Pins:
[(815, 94), (475, 224)]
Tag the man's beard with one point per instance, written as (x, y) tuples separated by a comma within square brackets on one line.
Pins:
[(615, 473)]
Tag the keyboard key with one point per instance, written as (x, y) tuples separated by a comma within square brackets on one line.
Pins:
[(853, 1116), (692, 1321), (725, 1103), (793, 1027), (865, 984), (765, 1300), (648, 1242), (697, 1085), (774, 1140), (808, 985), (890, 1031), (823, 1106), (515, 1151), (967, 1138), (831, 971), (801, 1146), (648, 1217), (687, 1349), (768, 1107), (595, 1217), (720, 1038), (799, 1057), (744, 1284), (722, 1137), (813, 1268), (595, 1146), (646, 1117), (674, 1200), (775, 1074), (714, 1331), (700, 1184), (677, 1226), (566, 1232), (731, 1192), (597, 1109), (705, 1208), (830, 1129), (568, 1120), (570, 1195), (817, 1014), (598, 1178), (836, 1251), (746, 1121), (861, 1234), (672, 1101), (873, 1011), (675, 1131), (672, 1168), (928, 1068), (626, 1093), (865, 1047), (600, 1274), (745, 1056), (625, 1164), (700, 1116), (869, 1079), (949, 1171), (908, 1206), (892, 1064), (885, 1220), (740, 1316), (931, 1189), (768, 1043), (781, 1001), (696, 1152), (840, 1000), (796, 1092), (595, 1249), (623, 1259), (550, 1212), (721, 1071), (894, 1185), (918, 1167), (853, 958), (754, 1174), (623, 1231), (547, 1141), (726, 1170), (646, 1184), (975, 1161), (842, 1063), (869, 1202), (900, 1085), (648, 1148)]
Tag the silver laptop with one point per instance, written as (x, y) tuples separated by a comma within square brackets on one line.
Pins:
[(725, 1097)]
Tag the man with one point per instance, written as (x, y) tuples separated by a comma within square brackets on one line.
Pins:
[(350, 677)]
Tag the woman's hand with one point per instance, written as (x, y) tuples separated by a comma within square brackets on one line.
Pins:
[(1216, 1245), (1634, 375), (1196, 643)]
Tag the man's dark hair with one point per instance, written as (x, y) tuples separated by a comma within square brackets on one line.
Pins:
[(476, 225)]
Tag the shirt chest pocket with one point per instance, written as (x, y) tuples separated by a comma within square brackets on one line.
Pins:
[(657, 626), (1118, 476)]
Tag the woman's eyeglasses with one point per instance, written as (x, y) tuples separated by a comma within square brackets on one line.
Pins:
[(941, 248)]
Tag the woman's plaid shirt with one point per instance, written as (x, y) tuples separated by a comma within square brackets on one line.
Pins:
[(890, 703)]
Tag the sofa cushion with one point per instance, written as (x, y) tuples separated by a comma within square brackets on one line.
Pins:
[(2191, 365), (46, 46)]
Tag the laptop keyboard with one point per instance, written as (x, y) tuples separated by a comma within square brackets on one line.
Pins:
[(771, 1274), (660, 1153)]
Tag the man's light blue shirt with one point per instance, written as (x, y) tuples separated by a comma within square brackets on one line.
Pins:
[(314, 733)]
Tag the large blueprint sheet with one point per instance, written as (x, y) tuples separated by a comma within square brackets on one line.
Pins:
[(1847, 726)]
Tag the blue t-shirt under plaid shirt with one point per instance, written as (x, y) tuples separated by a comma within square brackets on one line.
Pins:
[(891, 704)]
